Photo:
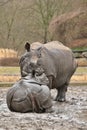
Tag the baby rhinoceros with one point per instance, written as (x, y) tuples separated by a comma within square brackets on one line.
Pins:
[(28, 95), (55, 60)]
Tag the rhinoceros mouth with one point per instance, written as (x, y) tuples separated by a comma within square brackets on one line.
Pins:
[(40, 79), (35, 82)]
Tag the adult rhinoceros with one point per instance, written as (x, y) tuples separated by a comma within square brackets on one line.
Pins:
[(55, 60), (29, 95)]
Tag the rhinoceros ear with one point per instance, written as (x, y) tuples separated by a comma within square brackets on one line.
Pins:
[(27, 46)]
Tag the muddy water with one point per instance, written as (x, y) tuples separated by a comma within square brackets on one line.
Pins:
[(71, 115)]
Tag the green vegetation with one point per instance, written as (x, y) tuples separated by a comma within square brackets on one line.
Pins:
[(79, 49), (16, 70), (81, 70), (9, 70), (6, 84)]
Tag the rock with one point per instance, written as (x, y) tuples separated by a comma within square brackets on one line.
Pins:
[(78, 55), (84, 54)]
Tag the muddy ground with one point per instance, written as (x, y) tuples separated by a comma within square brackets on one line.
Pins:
[(71, 115)]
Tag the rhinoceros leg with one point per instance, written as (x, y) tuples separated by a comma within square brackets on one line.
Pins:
[(51, 82), (61, 93)]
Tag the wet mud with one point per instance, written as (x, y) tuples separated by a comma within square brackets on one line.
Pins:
[(70, 115)]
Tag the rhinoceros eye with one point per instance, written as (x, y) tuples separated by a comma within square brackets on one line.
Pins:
[(39, 55), (39, 52), (39, 62)]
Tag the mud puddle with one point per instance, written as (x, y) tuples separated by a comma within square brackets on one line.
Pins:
[(71, 115)]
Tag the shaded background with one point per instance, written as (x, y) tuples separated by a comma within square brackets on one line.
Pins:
[(35, 20)]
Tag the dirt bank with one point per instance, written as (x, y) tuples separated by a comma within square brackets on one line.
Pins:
[(71, 115)]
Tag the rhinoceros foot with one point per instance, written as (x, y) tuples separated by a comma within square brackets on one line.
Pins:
[(60, 99), (60, 96), (61, 93), (50, 110)]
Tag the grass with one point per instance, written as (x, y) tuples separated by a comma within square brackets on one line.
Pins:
[(16, 70), (8, 81), (6, 84), (79, 48), (81, 70), (9, 70)]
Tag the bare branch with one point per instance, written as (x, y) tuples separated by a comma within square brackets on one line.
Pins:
[(3, 3)]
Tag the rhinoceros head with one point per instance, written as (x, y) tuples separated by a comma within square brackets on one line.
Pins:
[(30, 61)]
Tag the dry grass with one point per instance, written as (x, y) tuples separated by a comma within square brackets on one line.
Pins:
[(8, 57), (9, 78), (12, 74), (6, 53), (79, 78), (9, 74), (75, 78), (82, 62)]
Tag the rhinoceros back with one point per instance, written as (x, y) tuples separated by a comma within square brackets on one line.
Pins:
[(55, 45), (36, 45), (58, 61), (17, 98), (24, 96)]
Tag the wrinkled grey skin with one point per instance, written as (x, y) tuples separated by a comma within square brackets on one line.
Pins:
[(55, 60), (28, 95)]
